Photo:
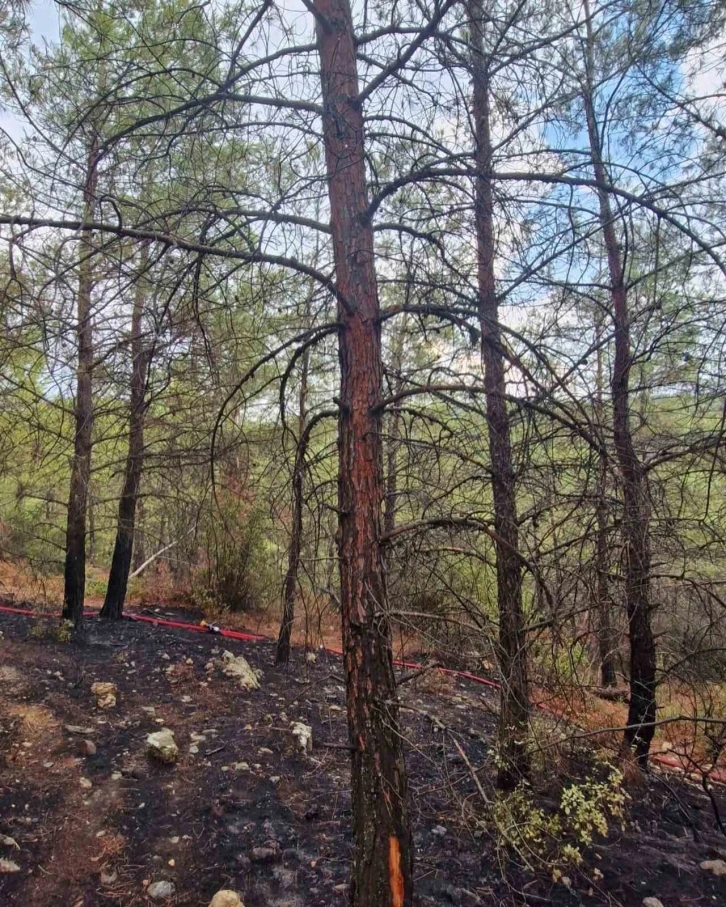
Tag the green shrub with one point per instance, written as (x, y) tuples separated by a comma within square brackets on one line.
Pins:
[(585, 811)]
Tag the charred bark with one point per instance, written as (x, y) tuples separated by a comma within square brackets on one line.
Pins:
[(636, 503), (75, 560), (381, 872), (514, 700), (118, 577)]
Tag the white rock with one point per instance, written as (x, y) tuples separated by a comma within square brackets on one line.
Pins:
[(311, 658), (304, 734), (77, 729), (86, 783), (652, 902), (226, 898), (162, 746), (9, 866), (237, 667), (157, 891), (717, 867)]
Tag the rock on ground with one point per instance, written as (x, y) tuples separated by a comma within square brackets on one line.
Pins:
[(652, 902), (105, 694), (226, 898), (157, 891), (237, 667), (304, 734), (717, 867), (161, 746)]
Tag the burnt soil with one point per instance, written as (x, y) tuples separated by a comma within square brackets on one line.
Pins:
[(278, 830)]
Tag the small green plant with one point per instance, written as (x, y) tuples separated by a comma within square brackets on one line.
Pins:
[(587, 807), (557, 838), (522, 827), (60, 632)]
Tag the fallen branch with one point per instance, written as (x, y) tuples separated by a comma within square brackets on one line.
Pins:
[(422, 670), (158, 554)]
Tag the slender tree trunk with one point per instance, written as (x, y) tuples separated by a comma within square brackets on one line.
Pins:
[(394, 432), (514, 701), (636, 504), (606, 637), (91, 547), (118, 577), (381, 873), (75, 562), (139, 553), (290, 587)]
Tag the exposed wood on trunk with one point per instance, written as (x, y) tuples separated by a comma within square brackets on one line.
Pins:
[(381, 873), (75, 560), (514, 702), (123, 548), (636, 504)]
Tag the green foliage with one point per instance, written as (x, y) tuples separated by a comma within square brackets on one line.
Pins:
[(239, 572), (586, 811), (62, 631)]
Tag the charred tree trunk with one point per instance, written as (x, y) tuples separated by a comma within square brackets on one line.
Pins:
[(606, 637), (514, 701), (75, 561), (636, 504), (118, 577), (289, 594), (381, 873)]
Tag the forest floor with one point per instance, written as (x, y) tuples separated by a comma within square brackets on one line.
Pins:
[(86, 818)]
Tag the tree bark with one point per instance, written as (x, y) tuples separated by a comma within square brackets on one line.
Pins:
[(381, 873), (636, 504), (118, 577), (75, 560), (514, 700)]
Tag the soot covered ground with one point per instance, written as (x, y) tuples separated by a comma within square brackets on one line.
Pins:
[(86, 818)]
